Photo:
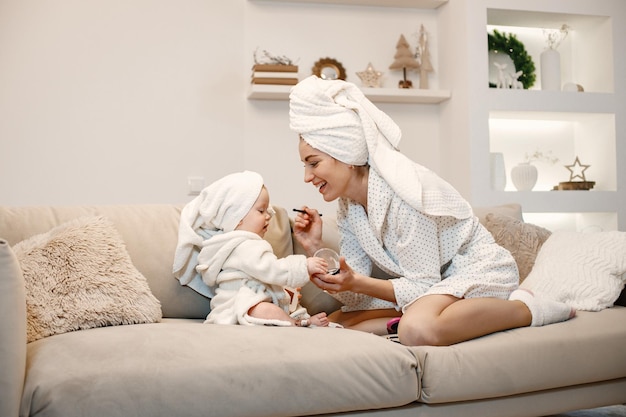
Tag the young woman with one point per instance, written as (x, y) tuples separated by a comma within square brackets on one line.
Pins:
[(444, 273)]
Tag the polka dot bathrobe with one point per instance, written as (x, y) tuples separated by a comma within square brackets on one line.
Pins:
[(417, 228)]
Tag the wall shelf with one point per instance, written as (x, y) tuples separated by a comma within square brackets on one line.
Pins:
[(514, 123), (412, 4), (376, 95), (559, 201), (550, 101)]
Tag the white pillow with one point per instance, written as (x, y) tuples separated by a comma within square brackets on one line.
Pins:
[(584, 270)]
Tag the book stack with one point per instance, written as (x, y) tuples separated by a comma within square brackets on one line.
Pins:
[(278, 74)]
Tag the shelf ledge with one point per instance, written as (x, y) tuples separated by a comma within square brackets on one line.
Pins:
[(376, 95), (412, 4)]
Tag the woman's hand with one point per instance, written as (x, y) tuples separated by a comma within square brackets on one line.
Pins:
[(307, 230), (349, 280), (341, 281)]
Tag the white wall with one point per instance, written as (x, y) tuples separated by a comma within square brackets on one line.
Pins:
[(119, 101)]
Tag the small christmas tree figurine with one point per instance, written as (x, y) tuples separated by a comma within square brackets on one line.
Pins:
[(424, 55), (404, 59)]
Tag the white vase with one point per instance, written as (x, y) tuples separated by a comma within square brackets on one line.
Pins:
[(524, 176), (498, 172), (550, 62)]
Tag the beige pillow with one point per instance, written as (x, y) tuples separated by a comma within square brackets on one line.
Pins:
[(523, 240), (79, 276), (512, 209)]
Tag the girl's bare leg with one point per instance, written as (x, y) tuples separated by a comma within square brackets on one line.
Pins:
[(441, 320), (269, 311), (319, 320)]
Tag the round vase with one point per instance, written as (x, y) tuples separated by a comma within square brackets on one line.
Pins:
[(550, 62), (524, 176), (498, 172)]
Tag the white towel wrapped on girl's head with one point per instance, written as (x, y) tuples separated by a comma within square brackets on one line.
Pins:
[(217, 209)]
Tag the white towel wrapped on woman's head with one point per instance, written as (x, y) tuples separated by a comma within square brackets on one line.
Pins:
[(217, 209), (335, 117)]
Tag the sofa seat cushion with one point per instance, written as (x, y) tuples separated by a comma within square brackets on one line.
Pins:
[(527, 359), (164, 368)]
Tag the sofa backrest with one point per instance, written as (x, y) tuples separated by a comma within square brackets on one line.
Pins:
[(150, 233)]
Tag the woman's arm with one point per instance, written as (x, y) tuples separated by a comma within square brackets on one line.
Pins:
[(307, 230)]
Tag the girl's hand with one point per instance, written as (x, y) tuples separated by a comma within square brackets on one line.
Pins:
[(316, 266), (307, 230)]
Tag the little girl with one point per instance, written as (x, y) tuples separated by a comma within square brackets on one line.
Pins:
[(221, 253)]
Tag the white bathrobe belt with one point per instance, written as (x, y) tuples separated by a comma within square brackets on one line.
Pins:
[(255, 285)]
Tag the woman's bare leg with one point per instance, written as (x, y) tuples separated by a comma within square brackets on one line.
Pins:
[(441, 320), (372, 321)]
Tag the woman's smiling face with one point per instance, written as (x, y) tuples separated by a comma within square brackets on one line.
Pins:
[(330, 176)]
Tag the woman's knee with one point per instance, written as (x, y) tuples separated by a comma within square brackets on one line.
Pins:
[(422, 324), (418, 333)]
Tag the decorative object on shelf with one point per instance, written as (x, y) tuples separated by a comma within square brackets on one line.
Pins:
[(508, 79), (267, 58), (550, 59), (277, 74), (539, 156), (498, 171), (577, 170), (524, 176), (370, 77), (571, 87), (423, 57), (273, 69), (506, 49), (329, 69), (404, 59)]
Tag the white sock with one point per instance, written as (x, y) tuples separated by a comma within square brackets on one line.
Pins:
[(543, 310)]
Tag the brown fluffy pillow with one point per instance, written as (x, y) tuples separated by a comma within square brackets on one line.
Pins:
[(79, 276), (523, 240)]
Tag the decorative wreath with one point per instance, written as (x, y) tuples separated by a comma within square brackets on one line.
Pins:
[(510, 45), (329, 69)]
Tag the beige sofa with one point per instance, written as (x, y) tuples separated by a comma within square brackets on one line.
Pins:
[(178, 366)]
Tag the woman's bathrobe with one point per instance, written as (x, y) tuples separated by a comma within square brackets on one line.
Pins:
[(242, 270), (423, 254)]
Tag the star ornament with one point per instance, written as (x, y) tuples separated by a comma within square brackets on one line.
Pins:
[(577, 170), (370, 77)]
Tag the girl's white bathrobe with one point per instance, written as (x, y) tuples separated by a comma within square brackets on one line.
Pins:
[(242, 270)]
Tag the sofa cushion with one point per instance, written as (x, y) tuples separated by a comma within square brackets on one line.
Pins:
[(523, 240), (585, 270), (12, 331), (79, 276), (528, 359), (183, 367)]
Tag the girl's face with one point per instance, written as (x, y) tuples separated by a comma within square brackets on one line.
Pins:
[(258, 218), (330, 176)]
